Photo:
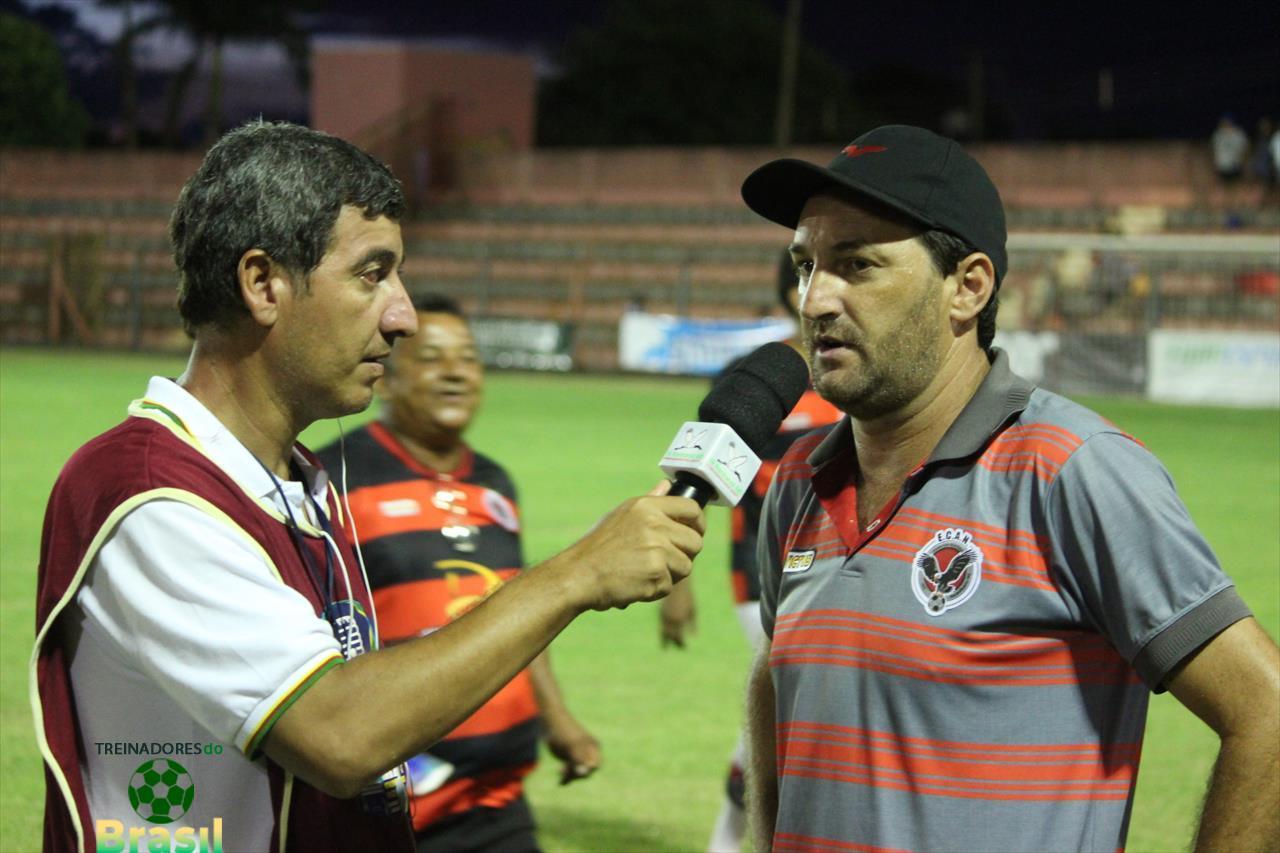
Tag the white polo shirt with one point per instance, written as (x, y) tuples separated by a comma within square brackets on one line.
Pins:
[(183, 642)]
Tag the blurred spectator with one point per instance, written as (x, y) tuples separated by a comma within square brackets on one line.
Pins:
[(1073, 275), (1261, 165), (1230, 149), (1266, 160), (1274, 145), (441, 531)]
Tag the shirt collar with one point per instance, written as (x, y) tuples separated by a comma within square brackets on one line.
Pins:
[(1002, 395), (226, 451)]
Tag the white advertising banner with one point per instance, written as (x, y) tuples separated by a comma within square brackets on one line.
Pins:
[(1228, 368), (1028, 351), (522, 343), (663, 343)]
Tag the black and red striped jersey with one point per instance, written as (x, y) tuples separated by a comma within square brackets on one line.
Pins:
[(436, 544)]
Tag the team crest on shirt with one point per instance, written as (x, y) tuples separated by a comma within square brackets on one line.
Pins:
[(501, 510), (946, 571)]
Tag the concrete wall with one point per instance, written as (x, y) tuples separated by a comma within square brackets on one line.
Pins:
[(362, 89), (1101, 175), (1084, 175)]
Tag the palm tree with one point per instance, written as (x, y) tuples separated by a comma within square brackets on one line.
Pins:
[(209, 26)]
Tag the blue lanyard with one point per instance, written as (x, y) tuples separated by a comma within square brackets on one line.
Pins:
[(326, 593), (352, 627)]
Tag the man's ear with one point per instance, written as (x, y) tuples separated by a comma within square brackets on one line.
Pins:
[(975, 282), (262, 283)]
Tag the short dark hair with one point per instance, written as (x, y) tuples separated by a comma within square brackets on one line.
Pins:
[(787, 281), (273, 186), (946, 250), (437, 303)]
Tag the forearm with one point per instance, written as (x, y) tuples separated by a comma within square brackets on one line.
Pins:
[(566, 738), (761, 770), (423, 688), (1240, 808), (546, 690), (1233, 684), (460, 666)]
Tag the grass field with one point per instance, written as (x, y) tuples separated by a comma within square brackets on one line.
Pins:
[(667, 719)]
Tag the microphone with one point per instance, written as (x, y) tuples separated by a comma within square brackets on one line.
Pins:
[(715, 458)]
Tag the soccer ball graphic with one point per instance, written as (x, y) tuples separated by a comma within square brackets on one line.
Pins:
[(161, 790)]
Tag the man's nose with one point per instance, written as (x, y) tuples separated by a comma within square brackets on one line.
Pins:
[(399, 318), (821, 297)]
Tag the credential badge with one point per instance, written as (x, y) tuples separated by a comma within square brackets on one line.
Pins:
[(946, 571)]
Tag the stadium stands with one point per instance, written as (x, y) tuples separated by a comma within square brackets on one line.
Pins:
[(579, 237)]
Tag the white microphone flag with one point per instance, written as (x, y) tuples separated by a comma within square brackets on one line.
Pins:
[(715, 453)]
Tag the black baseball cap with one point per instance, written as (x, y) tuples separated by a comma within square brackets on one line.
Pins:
[(926, 177)]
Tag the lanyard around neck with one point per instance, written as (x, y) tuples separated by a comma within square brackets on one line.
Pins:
[(326, 592)]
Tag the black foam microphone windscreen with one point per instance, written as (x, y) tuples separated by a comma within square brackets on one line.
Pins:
[(757, 393)]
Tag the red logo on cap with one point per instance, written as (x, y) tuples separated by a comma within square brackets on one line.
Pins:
[(859, 150)]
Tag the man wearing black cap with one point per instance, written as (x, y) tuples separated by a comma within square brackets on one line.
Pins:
[(969, 585)]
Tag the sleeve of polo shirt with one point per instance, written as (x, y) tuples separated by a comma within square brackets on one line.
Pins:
[(187, 600), (768, 560), (1130, 556)]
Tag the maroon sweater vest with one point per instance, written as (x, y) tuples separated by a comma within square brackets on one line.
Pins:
[(135, 457)]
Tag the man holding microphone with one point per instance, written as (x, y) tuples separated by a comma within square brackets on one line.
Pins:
[(195, 582)]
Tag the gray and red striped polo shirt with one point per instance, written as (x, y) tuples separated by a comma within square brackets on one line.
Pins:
[(971, 672)]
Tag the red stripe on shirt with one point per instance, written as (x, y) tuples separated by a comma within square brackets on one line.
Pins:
[(794, 843), (954, 768), (999, 561), (863, 641), (982, 533), (494, 789), (408, 609), (1038, 448), (794, 465), (1056, 440), (813, 532), (1101, 791), (988, 639), (392, 445), (416, 505)]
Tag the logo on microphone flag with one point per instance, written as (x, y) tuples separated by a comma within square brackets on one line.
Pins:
[(715, 453)]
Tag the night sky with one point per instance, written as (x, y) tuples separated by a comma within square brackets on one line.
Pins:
[(1174, 67)]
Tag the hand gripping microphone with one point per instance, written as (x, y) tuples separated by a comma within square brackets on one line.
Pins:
[(715, 458)]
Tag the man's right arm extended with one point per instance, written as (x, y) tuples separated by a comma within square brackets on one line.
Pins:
[(379, 709), (762, 757)]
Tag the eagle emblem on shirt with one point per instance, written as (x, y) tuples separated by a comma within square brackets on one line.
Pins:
[(946, 571)]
